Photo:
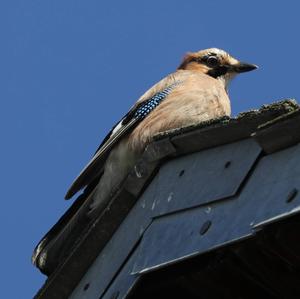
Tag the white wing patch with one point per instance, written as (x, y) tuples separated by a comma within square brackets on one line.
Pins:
[(117, 127)]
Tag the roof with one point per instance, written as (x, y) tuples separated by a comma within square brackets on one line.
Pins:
[(219, 179)]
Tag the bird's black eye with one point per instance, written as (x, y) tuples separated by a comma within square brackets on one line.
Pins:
[(212, 61)]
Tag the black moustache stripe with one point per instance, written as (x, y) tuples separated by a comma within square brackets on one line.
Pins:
[(218, 71)]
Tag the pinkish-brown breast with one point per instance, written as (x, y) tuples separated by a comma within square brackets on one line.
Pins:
[(198, 98)]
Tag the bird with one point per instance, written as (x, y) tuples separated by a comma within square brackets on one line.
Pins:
[(195, 92)]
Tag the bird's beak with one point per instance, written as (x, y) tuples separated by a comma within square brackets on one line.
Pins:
[(243, 67)]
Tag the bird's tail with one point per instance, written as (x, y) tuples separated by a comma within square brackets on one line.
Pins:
[(56, 244), (64, 235)]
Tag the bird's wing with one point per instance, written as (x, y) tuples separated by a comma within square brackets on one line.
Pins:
[(137, 113)]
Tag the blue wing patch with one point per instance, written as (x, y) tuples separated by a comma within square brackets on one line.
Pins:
[(147, 106)]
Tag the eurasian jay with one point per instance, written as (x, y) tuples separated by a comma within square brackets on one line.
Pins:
[(197, 91)]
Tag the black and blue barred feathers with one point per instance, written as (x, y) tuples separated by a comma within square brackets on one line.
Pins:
[(147, 106)]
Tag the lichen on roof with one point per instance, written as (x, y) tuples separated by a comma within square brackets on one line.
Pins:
[(287, 105), (282, 106)]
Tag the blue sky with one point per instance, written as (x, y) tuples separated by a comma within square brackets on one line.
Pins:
[(70, 69)]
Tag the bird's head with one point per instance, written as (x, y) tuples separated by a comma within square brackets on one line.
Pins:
[(215, 63)]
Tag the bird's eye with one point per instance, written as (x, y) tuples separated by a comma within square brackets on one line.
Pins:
[(212, 61)]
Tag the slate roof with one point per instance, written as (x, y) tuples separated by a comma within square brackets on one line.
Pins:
[(223, 180)]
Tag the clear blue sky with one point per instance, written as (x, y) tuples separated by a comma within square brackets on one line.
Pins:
[(70, 69)]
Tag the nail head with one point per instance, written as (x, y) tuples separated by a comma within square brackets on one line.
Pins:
[(205, 227), (292, 194)]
